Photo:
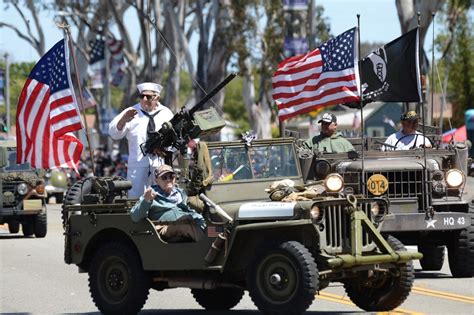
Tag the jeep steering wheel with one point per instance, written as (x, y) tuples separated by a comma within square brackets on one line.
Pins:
[(416, 139)]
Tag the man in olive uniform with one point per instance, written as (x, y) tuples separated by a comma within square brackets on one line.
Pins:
[(329, 140)]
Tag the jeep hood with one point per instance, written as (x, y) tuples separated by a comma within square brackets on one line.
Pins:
[(376, 165)]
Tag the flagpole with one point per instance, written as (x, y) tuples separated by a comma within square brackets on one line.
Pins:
[(361, 100), (432, 71), (425, 173), (79, 86), (149, 41)]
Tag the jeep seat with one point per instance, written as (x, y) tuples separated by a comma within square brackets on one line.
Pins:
[(182, 230)]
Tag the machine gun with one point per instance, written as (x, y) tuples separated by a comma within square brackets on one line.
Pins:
[(187, 124)]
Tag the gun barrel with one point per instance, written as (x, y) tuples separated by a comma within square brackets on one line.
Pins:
[(212, 93), (219, 210)]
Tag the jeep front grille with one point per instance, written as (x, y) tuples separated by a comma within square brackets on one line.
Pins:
[(401, 184), (338, 228), (10, 187)]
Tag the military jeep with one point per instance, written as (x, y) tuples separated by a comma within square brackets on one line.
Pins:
[(16, 206), (283, 250), (426, 193)]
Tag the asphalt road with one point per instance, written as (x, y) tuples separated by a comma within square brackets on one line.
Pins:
[(35, 280)]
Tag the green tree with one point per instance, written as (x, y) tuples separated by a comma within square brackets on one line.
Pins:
[(18, 74), (461, 80), (456, 43)]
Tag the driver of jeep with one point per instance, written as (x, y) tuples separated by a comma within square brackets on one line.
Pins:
[(166, 203), (408, 137), (329, 140)]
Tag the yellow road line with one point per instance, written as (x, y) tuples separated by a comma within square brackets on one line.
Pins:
[(332, 299), (345, 300), (444, 295)]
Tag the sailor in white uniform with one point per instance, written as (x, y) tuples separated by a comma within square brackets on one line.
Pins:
[(134, 123)]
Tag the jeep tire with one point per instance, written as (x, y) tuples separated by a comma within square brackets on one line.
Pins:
[(40, 224), (283, 279), (433, 257), (117, 282), (27, 226), (386, 291), (221, 299), (13, 226), (461, 250), (59, 197)]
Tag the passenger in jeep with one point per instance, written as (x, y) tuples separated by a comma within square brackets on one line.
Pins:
[(329, 140), (164, 202), (408, 137)]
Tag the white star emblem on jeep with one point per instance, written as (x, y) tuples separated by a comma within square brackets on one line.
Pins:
[(430, 223)]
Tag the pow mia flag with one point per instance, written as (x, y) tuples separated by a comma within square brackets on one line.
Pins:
[(392, 72)]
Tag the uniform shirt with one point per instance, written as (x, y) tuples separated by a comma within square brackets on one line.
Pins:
[(333, 144), (407, 142), (136, 132)]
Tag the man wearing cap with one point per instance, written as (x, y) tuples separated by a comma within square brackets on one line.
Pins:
[(408, 137), (165, 202), (329, 140), (134, 123)]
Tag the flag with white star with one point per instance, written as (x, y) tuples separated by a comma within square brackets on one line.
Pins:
[(47, 113), (325, 76)]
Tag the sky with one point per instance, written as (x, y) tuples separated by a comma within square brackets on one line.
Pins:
[(378, 23)]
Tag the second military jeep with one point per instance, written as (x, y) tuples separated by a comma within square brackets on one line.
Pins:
[(283, 249), (17, 207), (426, 193)]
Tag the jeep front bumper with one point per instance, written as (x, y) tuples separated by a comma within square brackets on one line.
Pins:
[(348, 261), (410, 222)]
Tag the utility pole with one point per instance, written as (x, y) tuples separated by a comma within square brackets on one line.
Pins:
[(7, 92)]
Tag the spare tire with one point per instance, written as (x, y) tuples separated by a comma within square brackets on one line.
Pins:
[(74, 196), (77, 190)]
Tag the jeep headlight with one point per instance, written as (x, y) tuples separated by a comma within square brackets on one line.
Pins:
[(22, 189), (334, 182), (454, 178), (316, 213), (378, 210)]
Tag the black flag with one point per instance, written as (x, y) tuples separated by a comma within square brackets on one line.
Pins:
[(392, 72)]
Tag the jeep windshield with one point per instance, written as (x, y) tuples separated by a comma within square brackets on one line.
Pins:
[(12, 166), (256, 162)]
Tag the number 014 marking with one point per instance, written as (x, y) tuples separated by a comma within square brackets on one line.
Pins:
[(377, 184)]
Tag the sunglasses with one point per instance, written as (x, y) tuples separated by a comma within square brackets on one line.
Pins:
[(168, 177), (148, 97)]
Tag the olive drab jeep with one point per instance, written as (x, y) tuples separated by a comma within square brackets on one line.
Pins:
[(17, 207), (426, 193), (268, 231)]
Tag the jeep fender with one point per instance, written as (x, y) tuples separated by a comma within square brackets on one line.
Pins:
[(246, 239)]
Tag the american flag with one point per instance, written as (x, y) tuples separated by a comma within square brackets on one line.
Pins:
[(117, 62), (325, 76), (214, 230), (47, 114), (88, 98), (96, 53), (97, 63)]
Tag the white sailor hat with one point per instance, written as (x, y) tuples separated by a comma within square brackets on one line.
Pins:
[(149, 86)]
